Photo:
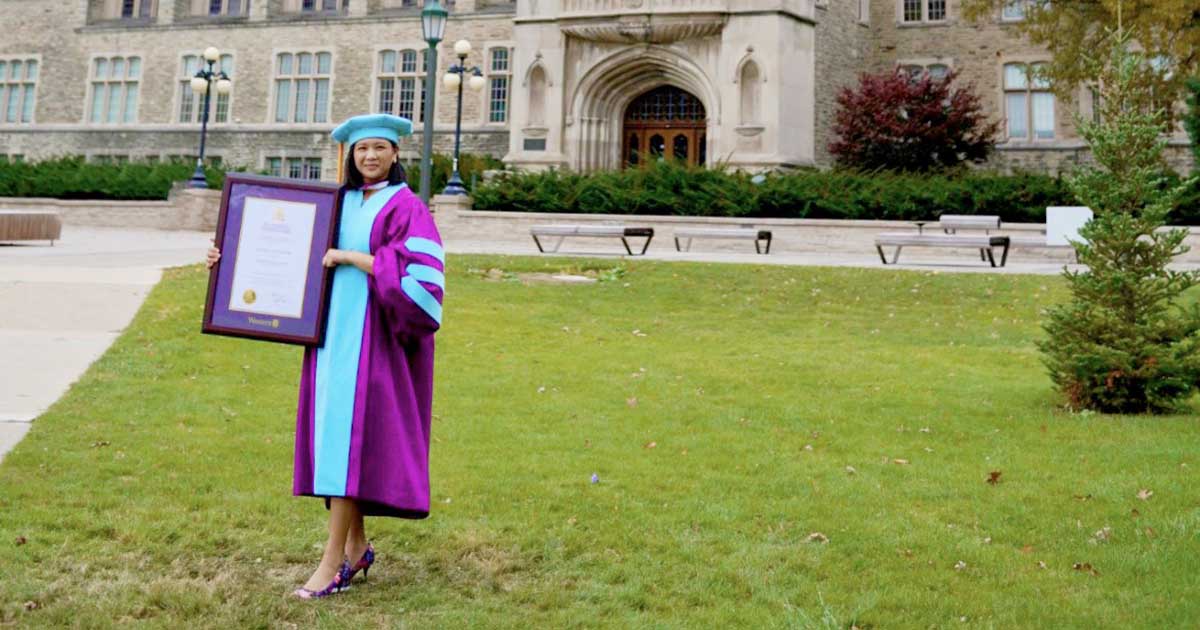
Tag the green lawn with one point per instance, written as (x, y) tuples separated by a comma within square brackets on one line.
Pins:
[(731, 412)]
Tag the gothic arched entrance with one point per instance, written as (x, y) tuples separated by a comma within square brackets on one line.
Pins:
[(665, 123)]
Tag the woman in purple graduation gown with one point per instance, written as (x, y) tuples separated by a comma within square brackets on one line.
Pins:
[(362, 427)]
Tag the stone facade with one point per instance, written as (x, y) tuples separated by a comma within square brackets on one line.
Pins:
[(766, 71)]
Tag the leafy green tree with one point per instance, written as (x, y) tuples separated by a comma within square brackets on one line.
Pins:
[(1191, 119), (1125, 343), (1167, 31)]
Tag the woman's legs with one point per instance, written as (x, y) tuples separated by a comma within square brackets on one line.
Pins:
[(341, 515), (356, 536)]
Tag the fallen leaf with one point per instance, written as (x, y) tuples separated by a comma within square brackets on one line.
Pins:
[(32, 605), (1041, 565), (902, 462), (987, 541), (541, 390), (808, 447), (1150, 533), (851, 470), (572, 520), (638, 333), (650, 445), (1135, 513), (1082, 497), (960, 565), (994, 477), (683, 452), (1027, 549), (100, 444), (926, 430), (632, 402), (1144, 494), (20, 540), (1085, 567), (907, 553), (817, 537), (1103, 534)]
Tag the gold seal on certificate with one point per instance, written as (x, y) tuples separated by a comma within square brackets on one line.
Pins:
[(249, 296)]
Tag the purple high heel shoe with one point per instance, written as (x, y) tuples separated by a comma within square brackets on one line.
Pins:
[(363, 564), (340, 582)]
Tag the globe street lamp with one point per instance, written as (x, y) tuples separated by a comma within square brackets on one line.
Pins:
[(433, 27), (454, 80), (204, 80)]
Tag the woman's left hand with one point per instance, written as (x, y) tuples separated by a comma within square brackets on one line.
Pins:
[(335, 257)]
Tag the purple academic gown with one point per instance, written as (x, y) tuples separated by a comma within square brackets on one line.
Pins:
[(377, 451)]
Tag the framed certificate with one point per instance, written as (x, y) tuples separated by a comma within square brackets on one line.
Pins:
[(270, 283)]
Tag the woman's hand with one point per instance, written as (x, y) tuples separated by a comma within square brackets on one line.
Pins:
[(335, 257), (210, 260)]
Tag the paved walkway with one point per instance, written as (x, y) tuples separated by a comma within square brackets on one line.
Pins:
[(64, 305)]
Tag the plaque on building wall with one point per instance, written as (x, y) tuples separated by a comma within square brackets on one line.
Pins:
[(270, 284), (535, 144)]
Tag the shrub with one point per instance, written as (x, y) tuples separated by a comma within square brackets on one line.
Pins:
[(75, 178), (894, 121)]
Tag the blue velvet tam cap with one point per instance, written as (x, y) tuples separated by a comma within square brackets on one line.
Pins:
[(384, 126)]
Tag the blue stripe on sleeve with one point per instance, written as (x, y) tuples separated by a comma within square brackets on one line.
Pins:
[(425, 246), (425, 273), (422, 298)]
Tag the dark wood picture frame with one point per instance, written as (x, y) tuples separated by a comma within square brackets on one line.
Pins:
[(309, 328)]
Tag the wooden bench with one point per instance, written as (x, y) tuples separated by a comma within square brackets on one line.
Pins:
[(622, 232), (30, 225), (761, 238), (985, 243)]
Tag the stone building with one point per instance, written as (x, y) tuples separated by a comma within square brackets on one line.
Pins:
[(582, 84)]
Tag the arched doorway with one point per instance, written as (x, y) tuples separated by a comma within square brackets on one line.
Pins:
[(665, 123)]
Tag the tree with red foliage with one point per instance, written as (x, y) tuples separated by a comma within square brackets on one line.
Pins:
[(899, 122)]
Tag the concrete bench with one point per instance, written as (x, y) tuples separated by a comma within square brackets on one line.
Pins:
[(761, 238), (984, 243), (952, 223), (622, 232), (30, 225)]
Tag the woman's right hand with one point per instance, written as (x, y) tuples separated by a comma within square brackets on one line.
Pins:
[(213, 256)]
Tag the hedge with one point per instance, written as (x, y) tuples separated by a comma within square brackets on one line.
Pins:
[(75, 178), (671, 189)]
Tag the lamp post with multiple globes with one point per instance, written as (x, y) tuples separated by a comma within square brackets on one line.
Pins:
[(454, 80), (433, 27), (203, 81)]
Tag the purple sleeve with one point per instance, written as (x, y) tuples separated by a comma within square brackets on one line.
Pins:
[(408, 277)]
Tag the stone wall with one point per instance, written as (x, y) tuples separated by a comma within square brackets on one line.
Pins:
[(842, 50), (62, 37)]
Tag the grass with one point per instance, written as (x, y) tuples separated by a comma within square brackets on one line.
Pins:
[(730, 412)]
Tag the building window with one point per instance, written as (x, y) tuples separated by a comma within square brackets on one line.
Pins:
[(294, 168), (1028, 102), (1017, 10), (864, 11), (217, 8), (136, 9), (501, 75), (191, 103), (114, 89), (302, 87), (923, 11), (321, 6), (397, 84), (917, 71), (18, 85)]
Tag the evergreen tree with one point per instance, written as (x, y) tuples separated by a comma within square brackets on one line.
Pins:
[(1125, 343)]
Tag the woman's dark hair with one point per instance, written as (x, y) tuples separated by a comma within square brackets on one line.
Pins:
[(354, 178)]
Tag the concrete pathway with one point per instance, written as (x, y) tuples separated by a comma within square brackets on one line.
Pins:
[(64, 305)]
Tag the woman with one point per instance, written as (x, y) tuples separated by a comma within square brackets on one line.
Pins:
[(362, 426)]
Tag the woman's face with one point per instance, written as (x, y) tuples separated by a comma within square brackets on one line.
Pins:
[(374, 158)]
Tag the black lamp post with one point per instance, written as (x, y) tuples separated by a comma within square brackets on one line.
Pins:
[(204, 81), (433, 27), (454, 80)]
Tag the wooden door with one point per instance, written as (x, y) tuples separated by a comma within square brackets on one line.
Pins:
[(665, 123)]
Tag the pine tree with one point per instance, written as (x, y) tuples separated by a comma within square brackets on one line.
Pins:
[(1125, 343)]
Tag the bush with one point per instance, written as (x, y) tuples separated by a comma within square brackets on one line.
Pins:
[(75, 178), (894, 121)]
